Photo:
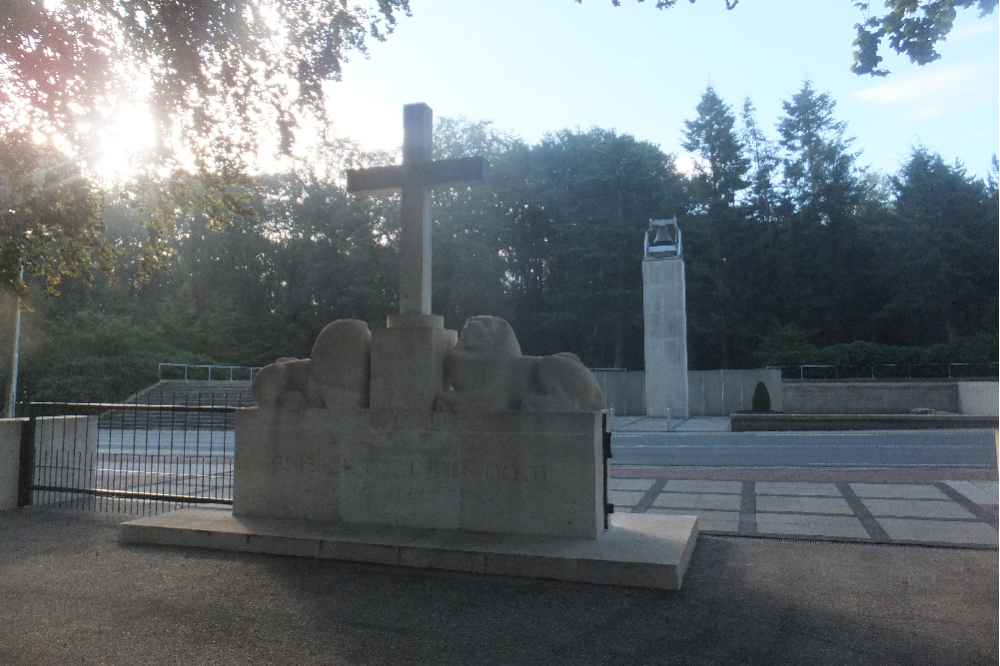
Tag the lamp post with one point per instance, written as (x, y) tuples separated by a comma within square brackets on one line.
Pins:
[(10, 406)]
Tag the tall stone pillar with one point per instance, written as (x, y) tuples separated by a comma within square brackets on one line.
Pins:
[(665, 320)]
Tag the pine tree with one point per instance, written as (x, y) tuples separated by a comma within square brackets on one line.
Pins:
[(710, 136), (764, 198), (820, 175), (823, 188), (717, 241)]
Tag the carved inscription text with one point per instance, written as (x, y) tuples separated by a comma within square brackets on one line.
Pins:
[(414, 469)]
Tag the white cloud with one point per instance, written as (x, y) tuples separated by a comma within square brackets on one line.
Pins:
[(932, 93), (972, 30)]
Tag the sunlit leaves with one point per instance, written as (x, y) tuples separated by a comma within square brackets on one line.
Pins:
[(49, 217), (911, 27), (218, 73)]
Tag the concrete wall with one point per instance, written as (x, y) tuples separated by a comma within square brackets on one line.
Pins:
[(870, 397), (979, 398), (710, 392), (624, 390), (723, 392), (10, 456)]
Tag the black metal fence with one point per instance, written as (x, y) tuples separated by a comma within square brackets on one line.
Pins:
[(127, 458)]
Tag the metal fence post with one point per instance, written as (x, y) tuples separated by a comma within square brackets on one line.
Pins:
[(26, 467)]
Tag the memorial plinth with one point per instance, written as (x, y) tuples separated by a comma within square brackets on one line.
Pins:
[(512, 473), (326, 468), (411, 446)]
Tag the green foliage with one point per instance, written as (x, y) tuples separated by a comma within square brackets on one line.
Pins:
[(761, 400), (945, 230), (819, 172), (893, 273), (711, 136), (49, 217), (574, 242), (717, 235), (979, 349), (912, 27), (471, 235), (82, 348), (764, 200), (216, 71)]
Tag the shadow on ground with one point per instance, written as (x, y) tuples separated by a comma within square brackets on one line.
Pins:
[(72, 595)]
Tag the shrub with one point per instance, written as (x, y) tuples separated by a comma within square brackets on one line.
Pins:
[(761, 401)]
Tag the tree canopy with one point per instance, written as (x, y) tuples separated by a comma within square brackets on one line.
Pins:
[(214, 72), (911, 27), (216, 75), (902, 271)]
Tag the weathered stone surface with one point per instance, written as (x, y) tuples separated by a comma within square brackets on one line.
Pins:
[(487, 373), (511, 473), (336, 376), (408, 362)]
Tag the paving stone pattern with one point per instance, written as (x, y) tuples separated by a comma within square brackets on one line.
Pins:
[(945, 513)]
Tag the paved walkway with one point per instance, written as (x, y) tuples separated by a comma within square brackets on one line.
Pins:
[(930, 507), (846, 505)]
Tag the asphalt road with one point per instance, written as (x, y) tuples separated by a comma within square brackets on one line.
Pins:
[(73, 596), (901, 449)]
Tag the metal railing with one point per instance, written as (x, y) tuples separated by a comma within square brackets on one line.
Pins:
[(199, 372), (126, 458), (891, 371)]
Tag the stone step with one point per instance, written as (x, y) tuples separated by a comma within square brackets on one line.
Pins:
[(636, 550)]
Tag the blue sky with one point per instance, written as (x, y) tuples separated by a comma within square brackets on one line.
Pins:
[(537, 66)]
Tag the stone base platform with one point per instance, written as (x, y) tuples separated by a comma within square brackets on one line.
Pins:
[(637, 549)]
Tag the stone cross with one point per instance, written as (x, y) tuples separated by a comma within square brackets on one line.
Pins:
[(414, 179)]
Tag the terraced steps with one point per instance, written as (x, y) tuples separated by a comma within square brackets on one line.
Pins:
[(207, 395)]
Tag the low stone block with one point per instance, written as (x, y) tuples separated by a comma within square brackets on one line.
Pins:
[(233, 541)]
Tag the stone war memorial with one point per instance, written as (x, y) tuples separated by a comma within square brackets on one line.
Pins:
[(413, 445)]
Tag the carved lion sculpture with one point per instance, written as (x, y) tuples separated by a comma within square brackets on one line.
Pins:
[(488, 374), (335, 376)]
